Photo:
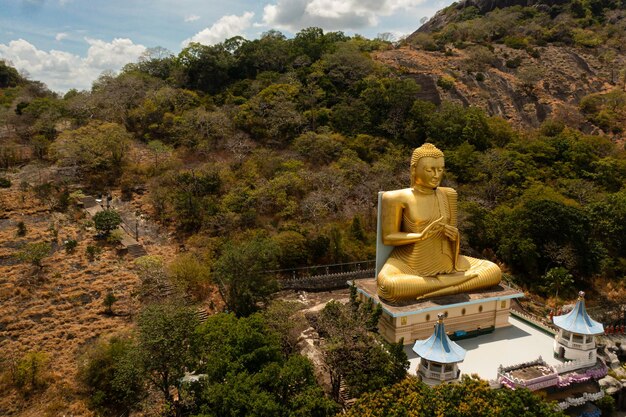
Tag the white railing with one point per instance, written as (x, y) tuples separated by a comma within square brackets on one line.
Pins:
[(573, 402), (538, 361), (550, 328), (575, 345), (574, 365), (442, 376)]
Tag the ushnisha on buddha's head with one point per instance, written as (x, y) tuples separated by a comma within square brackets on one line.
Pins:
[(427, 166)]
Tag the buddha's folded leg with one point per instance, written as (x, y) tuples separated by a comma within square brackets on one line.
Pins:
[(482, 274), (395, 286), (399, 287)]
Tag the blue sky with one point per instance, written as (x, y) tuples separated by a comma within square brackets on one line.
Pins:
[(68, 43)]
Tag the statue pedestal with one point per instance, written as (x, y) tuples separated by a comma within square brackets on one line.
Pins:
[(467, 314)]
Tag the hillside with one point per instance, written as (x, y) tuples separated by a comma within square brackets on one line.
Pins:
[(252, 156), (524, 61), (549, 86)]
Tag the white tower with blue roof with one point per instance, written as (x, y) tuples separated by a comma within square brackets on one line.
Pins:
[(575, 339), (439, 355)]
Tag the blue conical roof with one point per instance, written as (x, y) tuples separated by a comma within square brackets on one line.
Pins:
[(439, 347), (577, 320)]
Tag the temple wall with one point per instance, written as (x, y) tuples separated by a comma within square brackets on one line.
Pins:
[(470, 317)]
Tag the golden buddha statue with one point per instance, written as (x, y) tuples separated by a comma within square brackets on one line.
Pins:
[(421, 223)]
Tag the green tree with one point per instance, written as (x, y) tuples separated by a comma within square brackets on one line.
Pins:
[(111, 372), (97, 150), (319, 148), (272, 115), (247, 375), (106, 221), (241, 270), (190, 274), (292, 249), (92, 252), (271, 52), (558, 279), (193, 196), (355, 354), (9, 77), (313, 42), (35, 253), (390, 101), (205, 68), (29, 373), (608, 220), (108, 302), (469, 398), (165, 342)]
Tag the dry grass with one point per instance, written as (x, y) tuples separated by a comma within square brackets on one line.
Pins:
[(59, 309)]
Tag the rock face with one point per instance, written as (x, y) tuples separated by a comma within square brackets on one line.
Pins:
[(542, 87)]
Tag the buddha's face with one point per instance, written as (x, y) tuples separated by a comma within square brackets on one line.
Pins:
[(428, 172)]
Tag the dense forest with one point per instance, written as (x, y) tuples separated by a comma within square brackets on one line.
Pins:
[(268, 154)]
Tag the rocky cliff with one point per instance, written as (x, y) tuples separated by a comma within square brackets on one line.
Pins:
[(524, 60), (550, 85)]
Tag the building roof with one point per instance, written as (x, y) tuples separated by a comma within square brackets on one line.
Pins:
[(577, 320), (438, 347)]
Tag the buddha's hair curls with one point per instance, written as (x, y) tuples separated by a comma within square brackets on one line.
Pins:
[(427, 149)]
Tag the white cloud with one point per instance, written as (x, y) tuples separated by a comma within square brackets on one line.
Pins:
[(63, 70), (226, 27), (112, 55), (192, 18), (60, 36), (294, 15)]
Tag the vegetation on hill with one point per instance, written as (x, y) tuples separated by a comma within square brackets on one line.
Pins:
[(589, 24), (242, 366), (268, 154), (528, 63), (471, 397)]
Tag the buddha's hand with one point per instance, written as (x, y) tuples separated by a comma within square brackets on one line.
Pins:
[(451, 232), (432, 229)]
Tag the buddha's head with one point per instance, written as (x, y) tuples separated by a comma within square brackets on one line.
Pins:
[(427, 165)]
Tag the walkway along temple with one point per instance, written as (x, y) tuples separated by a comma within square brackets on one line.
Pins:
[(323, 277)]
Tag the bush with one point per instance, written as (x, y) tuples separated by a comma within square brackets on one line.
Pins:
[(93, 252), (21, 229), (34, 253), (446, 82), (480, 77), (516, 42), (115, 237), (190, 274), (586, 38), (29, 372), (108, 302), (606, 404), (513, 62), (112, 374), (5, 182), (106, 221), (70, 245), (424, 41)]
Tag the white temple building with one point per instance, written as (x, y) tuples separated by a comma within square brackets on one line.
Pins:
[(576, 337), (439, 355)]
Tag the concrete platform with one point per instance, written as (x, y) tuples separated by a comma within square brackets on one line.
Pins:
[(469, 312), (515, 344)]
